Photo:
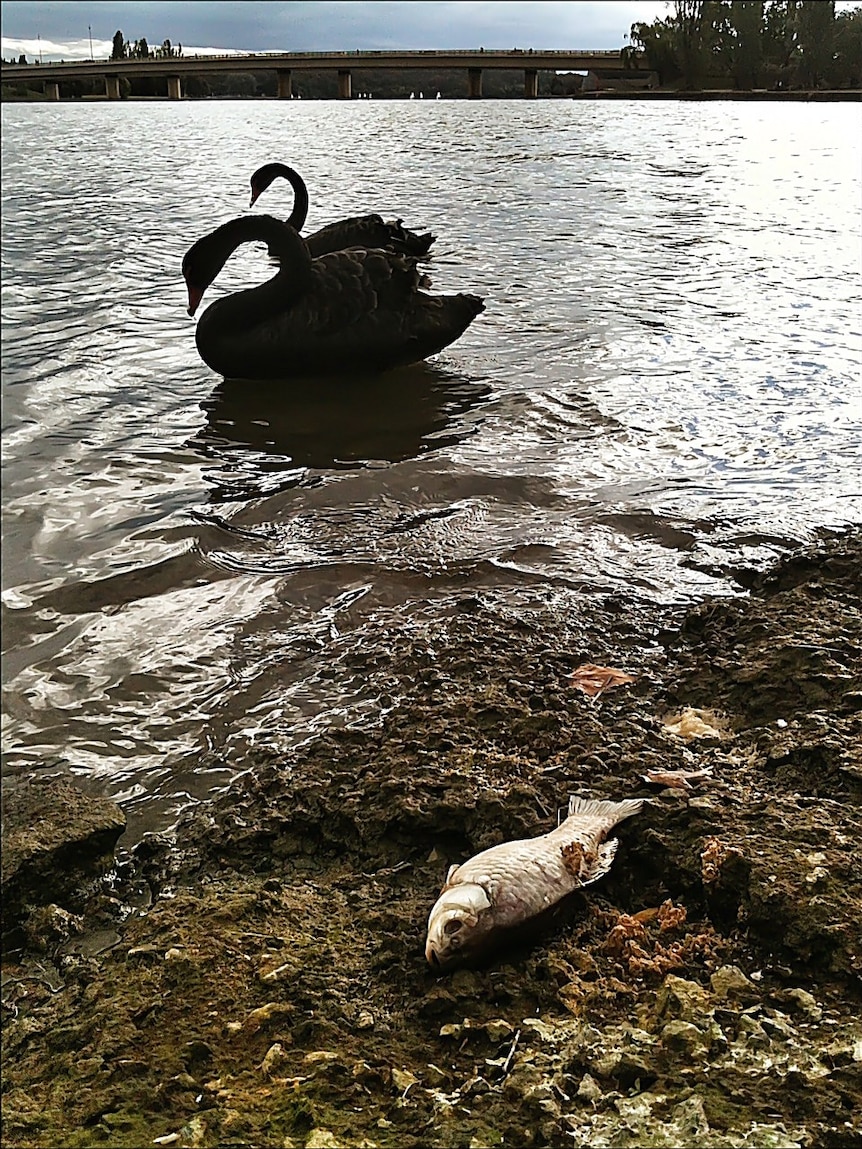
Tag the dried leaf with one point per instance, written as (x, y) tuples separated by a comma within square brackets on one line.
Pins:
[(594, 680), (677, 779)]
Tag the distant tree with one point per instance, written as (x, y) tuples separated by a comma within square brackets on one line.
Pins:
[(692, 40), (783, 43), (816, 34), (119, 47), (846, 68), (745, 37), (780, 35), (141, 49), (658, 42), (22, 59), (167, 51)]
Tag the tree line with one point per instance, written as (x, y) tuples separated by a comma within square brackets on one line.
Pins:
[(121, 49), (776, 44)]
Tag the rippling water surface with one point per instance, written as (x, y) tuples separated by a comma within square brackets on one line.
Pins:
[(667, 375)]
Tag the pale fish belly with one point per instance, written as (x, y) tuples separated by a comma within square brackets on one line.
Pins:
[(507, 886)]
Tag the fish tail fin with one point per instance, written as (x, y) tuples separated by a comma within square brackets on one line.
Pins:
[(601, 863), (610, 813)]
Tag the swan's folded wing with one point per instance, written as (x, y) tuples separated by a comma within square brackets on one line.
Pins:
[(358, 286), (368, 231)]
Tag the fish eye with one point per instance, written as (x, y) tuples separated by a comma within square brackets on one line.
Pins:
[(452, 926)]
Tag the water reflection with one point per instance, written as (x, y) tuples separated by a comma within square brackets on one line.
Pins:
[(265, 435), (671, 336)]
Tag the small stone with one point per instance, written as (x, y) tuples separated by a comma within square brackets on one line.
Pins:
[(436, 1077), (322, 1139), (752, 1031), (689, 1118), (498, 1029), (589, 1089), (805, 1002), (274, 1060), (402, 1079), (638, 1108), (683, 999), (265, 1014), (776, 1022), (730, 981), (684, 1036), (541, 1029), (365, 1020), (194, 1132), (607, 1065)]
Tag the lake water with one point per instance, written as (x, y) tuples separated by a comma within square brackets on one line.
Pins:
[(668, 377)]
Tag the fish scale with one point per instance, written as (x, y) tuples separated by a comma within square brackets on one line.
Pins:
[(511, 884)]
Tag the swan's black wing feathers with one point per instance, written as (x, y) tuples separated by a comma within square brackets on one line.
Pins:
[(370, 231)]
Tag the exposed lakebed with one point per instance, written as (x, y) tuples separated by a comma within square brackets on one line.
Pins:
[(275, 993)]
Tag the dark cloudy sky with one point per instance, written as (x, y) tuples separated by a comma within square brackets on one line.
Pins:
[(61, 28)]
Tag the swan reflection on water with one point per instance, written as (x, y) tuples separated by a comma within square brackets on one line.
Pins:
[(265, 435)]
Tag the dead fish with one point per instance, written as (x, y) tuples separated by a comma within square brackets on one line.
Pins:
[(509, 885)]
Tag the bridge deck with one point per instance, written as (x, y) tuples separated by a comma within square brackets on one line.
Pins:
[(563, 61)]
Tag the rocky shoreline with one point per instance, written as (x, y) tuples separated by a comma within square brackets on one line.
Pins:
[(258, 978)]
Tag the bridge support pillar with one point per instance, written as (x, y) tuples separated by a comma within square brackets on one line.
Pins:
[(52, 90), (531, 83), (474, 83), (285, 88), (175, 88), (112, 87), (345, 88)]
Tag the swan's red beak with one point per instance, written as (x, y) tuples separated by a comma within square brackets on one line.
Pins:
[(195, 297), (255, 192)]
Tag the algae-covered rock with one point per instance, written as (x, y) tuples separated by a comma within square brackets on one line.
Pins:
[(56, 840)]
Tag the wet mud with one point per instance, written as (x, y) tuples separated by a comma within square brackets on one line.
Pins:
[(258, 978)]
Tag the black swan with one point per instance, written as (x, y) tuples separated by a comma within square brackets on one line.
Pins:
[(354, 310), (356, 231)]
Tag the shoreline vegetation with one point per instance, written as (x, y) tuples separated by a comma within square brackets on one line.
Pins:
[(257, 978)]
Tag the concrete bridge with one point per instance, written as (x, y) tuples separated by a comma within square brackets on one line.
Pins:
[(284, 64)]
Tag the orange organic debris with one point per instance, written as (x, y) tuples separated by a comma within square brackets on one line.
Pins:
[(678, 779), (713, 857), (594, 680)]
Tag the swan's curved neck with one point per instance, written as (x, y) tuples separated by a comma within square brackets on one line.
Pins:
[(208, 256), (270, 172)]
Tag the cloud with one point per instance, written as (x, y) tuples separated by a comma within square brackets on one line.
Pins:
[(322, 25), (48, 51)]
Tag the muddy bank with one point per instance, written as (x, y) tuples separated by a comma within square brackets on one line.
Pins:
[(275, 993)]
